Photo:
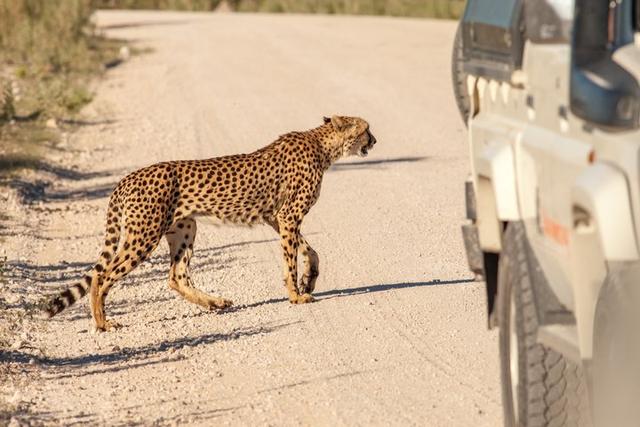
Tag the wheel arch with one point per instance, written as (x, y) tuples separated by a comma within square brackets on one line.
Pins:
[(598, 237)]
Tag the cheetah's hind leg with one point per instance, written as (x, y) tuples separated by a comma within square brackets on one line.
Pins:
[(129, 256), (180, 238)]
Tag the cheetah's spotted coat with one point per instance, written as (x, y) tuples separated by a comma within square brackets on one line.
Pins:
[(276, 185)]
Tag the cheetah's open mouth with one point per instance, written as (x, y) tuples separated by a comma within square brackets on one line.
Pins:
[(364, 150)]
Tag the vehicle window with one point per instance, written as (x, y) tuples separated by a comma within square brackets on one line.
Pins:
[(494, 13), (549, 21)]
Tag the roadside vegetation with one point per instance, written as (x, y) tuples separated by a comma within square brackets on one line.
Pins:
[(49, 52), (6, 317), (450, 9), (414, 8)]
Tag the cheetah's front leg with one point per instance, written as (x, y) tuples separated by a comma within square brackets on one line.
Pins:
[(289, 239), (311, 264)]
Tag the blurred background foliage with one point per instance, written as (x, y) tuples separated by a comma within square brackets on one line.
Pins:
[(49, 54), (416, 8)]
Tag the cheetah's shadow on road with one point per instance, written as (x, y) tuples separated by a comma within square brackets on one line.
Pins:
[(375, 163), (340, 293), (29, 279)]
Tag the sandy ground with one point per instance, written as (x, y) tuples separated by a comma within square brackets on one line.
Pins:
[(398, 334)]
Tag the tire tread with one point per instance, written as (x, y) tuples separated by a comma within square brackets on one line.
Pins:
[(459, 77), (555, 389)]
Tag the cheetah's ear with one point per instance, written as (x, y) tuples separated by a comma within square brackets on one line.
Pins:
[(338, 123), (326, 120)]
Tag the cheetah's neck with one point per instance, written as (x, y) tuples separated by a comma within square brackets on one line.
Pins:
[(331, 144)]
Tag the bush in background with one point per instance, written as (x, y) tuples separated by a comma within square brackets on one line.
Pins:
[(48, 51), (417, 8)]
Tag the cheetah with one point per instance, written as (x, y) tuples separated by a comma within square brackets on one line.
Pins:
[(276, 185)]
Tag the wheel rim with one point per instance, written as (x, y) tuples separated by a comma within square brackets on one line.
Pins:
[(513, 355)]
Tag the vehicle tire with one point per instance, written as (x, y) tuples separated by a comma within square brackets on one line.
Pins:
[(616, 349), (540, 387), (459, 77)]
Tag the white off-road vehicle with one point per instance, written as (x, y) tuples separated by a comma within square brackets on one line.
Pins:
[(549, 91)]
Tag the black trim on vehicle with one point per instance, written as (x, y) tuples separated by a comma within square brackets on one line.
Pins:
[(491, 262), (470, 201), (472, 248), (549, 310)]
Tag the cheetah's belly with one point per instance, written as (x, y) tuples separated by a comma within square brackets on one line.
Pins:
[(239, 221), (211, 220)]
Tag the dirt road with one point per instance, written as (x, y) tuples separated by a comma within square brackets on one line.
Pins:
[(398, 334)]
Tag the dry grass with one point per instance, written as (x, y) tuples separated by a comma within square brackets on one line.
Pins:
[(159, 4), (3, 261), (48, 52), (415, 8)]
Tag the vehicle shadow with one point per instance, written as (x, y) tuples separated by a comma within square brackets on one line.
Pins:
[(41, 188), (149, 23), (12, 162), (37, 191), (84, 122)]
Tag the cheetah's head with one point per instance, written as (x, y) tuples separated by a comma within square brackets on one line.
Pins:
[(355, 134)]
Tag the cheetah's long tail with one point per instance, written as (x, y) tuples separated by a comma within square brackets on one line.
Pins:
[(72, 294)]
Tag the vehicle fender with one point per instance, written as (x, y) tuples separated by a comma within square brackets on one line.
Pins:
[(496, 163), (496, 190)]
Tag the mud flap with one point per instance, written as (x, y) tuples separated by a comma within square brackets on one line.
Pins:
[(483, 264), (472, 248)]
